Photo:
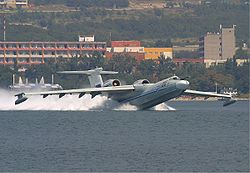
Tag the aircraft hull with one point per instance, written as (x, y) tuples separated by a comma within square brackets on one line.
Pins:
[(159, 100), (152, 96)]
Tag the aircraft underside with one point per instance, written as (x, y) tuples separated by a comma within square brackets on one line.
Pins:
[(147, 100), (159, 100)]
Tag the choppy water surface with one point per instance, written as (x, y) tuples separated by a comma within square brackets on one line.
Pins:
[(198, 136)]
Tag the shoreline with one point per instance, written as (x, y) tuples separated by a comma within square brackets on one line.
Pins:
[(209, 99)]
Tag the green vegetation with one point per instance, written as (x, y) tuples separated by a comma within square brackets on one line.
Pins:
[(228, 75), (242, 54), (85, 3), (144, 24)]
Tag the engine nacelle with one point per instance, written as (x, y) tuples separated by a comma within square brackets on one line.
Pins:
[(112, 82), (142, 81)]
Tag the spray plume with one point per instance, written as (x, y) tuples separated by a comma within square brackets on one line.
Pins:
[(67, 103)]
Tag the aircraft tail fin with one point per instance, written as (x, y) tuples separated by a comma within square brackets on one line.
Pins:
[(94, 75)]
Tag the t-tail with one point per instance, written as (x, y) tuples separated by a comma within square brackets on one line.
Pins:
[(94, 76)]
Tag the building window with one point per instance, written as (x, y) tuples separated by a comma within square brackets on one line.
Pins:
[(9, 60)]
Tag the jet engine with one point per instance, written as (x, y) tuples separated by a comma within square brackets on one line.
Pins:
[(142, 81), (112, 82)]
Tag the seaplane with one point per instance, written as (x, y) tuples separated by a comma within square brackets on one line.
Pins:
[(142, 94)]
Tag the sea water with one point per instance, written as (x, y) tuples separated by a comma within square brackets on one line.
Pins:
[(197, 136)]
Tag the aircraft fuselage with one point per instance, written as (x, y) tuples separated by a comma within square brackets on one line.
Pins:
[(146, 96)]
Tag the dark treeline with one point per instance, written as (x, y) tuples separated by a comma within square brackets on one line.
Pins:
[(201, 78), (85, 3)]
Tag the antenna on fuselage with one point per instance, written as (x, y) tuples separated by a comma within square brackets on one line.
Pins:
[(94, 75)]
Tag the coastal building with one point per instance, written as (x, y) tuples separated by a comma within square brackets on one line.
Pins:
[(218, 46), (83, 38), (27, 53), (155, 53), (134, 49), (132, 43), (126, 48), (210, 62), (182, 61), (14, 3)]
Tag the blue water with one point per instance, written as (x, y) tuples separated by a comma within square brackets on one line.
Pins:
[(198, 136)]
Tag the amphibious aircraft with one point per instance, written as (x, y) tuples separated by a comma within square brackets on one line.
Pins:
[(142, 93)]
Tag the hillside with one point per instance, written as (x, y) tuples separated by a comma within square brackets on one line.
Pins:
[(60, 20)]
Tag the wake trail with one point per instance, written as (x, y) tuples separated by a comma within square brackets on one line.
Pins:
[(68, 103), (164, 107)]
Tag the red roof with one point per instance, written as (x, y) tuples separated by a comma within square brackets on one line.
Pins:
[(125, 44)]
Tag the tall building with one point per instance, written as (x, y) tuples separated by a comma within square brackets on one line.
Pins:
[(218, 46), (228, 42)]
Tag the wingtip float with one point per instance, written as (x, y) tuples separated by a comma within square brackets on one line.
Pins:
[(20, 98)]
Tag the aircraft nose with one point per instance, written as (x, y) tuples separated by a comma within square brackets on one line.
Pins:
[(182, 84)]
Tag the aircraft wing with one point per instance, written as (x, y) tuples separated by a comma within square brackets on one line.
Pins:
[(206, 94), (93, 91), (227, 98)]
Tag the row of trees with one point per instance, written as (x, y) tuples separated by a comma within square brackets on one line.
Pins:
[(85, 3), (201, 78)]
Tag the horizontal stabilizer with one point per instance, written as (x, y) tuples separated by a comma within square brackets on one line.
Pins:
[(96, 71), (86, 72), (94, 75)]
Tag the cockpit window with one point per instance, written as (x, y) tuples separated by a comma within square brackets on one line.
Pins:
[(175, 78)]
